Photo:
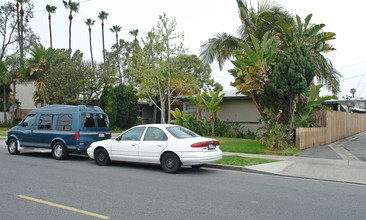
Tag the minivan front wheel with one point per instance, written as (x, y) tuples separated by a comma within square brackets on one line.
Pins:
[(59, 151), (13, 147)]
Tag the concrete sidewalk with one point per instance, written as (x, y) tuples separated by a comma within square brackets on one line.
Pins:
[(342, 161)]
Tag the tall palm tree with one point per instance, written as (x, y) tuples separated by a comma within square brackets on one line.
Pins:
[(103, 16), (50, 9), (89, 22), (134, 33), (20, 17), (73, 7), (116, 29), (254, 22)]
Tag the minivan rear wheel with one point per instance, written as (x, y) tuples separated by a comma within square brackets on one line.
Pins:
[(59, 151)]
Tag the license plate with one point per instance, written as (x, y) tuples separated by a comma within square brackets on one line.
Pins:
[(211, 147), (101, 135)]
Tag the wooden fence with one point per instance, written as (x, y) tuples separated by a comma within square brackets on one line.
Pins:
[(334, 126)]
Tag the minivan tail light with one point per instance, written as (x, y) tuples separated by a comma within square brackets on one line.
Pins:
[(205, 144), (77, 136)]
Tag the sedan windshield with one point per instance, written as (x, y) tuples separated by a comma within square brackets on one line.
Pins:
[(181, 132)]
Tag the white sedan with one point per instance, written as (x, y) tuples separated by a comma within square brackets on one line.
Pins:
[(169, 145)]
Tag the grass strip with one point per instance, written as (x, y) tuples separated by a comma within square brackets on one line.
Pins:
[(243, 161)]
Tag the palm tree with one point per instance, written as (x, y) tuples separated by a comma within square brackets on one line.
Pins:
[(39, 63), (134, 33), (50, 9), (254, 22), (73, 7), (89, 22), (20, 17), (103, 16), (353, 92), (116, 29)]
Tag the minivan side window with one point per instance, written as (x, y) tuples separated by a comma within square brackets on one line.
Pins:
[(87, 120), (45, 121), (29, 121), (102, 120), (64, 122)]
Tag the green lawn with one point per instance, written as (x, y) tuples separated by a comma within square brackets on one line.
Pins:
[(4, 132), (248, 146), (242, 161)]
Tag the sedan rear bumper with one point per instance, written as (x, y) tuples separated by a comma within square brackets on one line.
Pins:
[(195, 158)]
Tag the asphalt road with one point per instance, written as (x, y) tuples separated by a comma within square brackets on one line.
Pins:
[(34, 185)]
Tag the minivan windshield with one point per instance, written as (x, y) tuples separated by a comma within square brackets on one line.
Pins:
[(181, 132)]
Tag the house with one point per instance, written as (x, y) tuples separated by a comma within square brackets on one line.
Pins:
[(347, 104), (235, 108)]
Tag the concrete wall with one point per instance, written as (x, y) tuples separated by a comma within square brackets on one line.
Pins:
[(24, 93), (8, 115)]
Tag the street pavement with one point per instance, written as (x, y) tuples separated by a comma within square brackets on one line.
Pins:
[(342, 161)]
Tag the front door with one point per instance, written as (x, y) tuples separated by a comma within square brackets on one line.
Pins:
[(25, 131), (125, 147)]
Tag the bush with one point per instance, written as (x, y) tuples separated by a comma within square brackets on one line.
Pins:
[(277, 137)]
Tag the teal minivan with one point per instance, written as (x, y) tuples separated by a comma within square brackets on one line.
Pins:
[(60, 128)]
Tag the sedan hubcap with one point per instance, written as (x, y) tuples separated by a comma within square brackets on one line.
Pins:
[(101, 157), (170, 162)]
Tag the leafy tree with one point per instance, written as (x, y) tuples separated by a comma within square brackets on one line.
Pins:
[(72, 7), (103, 16), (50, 9), (108, 102), (9, 32), (89, 22), (292, 75)]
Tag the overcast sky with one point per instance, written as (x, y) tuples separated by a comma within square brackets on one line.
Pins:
[(202, 19)]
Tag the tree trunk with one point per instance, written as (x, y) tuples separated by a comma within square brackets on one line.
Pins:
[(292, 110), (70, 18), (4, 104), (212, 122), (118, 67), (49, 24), (103, 41), (13, 103), (91, 49)]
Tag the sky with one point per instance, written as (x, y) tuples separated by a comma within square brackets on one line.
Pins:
[(201, 20)]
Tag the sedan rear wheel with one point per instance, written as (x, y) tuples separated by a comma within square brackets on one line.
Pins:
[(102, 157), (170, 163)]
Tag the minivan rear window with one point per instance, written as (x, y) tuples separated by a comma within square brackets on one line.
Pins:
[(64, 122), (102, 120), (87, 120)]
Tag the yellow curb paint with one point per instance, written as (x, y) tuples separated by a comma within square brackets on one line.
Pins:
[(63, 207)]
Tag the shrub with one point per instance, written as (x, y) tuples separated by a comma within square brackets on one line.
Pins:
[(277, 137)]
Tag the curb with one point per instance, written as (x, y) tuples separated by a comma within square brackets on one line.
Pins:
[(235, 168)]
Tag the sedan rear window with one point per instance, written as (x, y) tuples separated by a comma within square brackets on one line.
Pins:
[(181, 132)]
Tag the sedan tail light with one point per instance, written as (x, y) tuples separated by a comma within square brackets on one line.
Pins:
[(205, 144)]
